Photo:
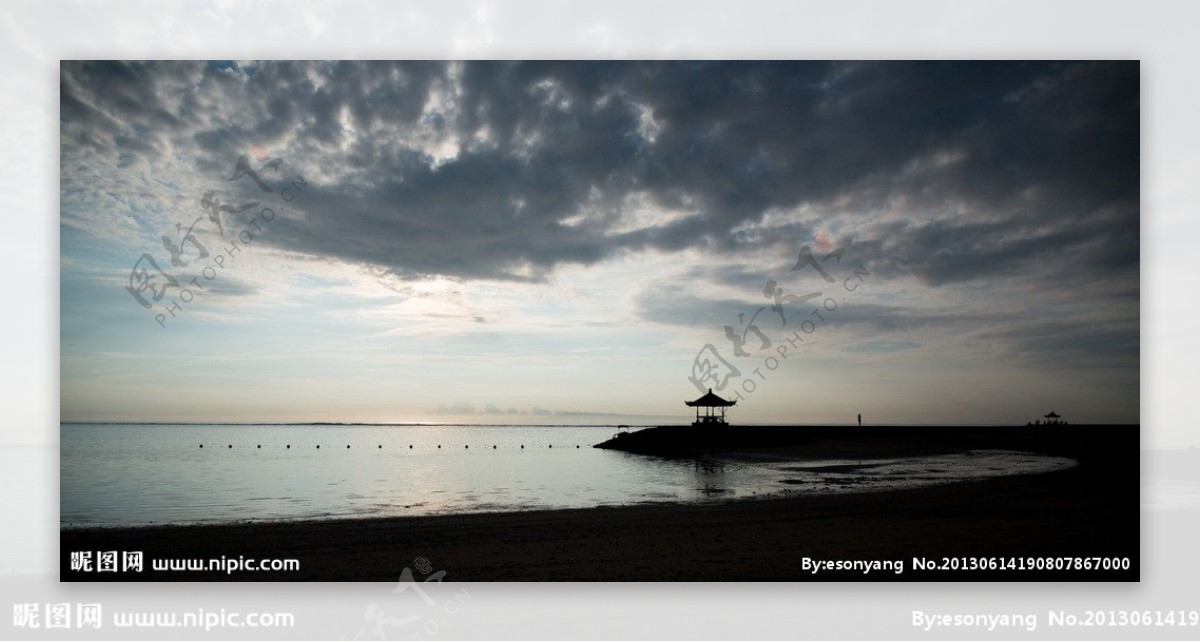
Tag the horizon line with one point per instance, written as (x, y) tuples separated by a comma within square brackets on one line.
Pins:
[(359, 423)]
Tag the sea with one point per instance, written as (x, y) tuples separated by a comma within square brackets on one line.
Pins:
[(115, 475)]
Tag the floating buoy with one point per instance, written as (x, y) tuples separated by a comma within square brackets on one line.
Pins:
[(231, 445), (522, 446), (201, 445), (551, 445), (347, 445), (493, 447), (289, 446), (439, 445), (258, 446), (381, 445), (465, 447), (318, 447), (410, 446), (576, 445)]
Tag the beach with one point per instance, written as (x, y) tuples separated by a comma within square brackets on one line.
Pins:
[(1091, 509)]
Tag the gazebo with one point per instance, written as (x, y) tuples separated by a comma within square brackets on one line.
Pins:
[(1052, 418), (709, 402)]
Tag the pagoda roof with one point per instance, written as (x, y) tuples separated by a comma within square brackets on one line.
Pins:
[(1052, 415), (710, 400)]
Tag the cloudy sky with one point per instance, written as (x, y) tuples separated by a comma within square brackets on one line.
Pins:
[(576, 242)]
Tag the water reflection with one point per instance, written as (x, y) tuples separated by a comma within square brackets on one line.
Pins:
[(710, 476), (140, 474)]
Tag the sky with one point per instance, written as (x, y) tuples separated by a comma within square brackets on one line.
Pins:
[(595, 242)]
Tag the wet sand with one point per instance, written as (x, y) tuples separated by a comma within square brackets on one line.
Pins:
[(1089, 510)]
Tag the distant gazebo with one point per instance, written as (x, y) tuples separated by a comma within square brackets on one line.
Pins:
[(1052, 418), (710, 417)]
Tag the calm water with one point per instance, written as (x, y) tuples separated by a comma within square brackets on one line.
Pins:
[(142, 474)]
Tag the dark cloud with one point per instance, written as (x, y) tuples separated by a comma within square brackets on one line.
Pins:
[(950, 172), (1082, 338), (1073, 343)]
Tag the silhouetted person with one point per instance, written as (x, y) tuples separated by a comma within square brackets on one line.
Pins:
[(860, 420)]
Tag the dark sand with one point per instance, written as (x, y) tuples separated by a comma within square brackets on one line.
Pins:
[(1089, 510)]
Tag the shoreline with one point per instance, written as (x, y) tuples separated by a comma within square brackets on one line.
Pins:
[(1091, 509), (346, 521), (779, 494)]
